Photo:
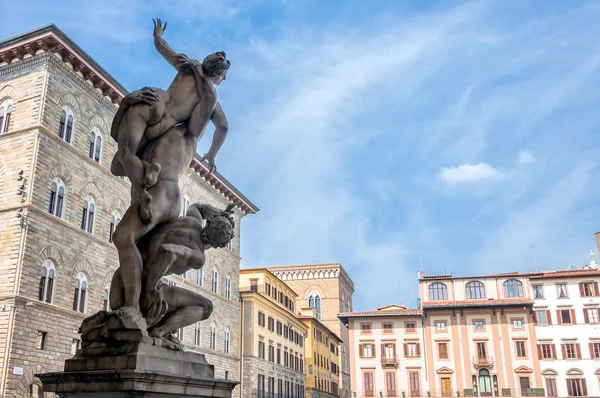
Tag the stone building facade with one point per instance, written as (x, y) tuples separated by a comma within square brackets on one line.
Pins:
[(59, 205), (273, 338), (328, 288)]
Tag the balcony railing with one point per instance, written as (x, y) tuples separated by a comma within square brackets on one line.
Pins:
[(389, 361), (479, 361)]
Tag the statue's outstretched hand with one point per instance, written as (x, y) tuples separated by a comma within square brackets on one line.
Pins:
[(159, 28), (145, 95), (211, 163)]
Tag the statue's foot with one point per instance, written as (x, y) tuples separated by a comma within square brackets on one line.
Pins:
[(145, 207), (152, 170)]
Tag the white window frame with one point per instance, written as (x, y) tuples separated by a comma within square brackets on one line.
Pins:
[(89, 204), (227, 341), (198, 335), (68, 112), (228, 287), (215, 281), (186, 205), (81, 284), (5, 107), (314, 295), (200, 277), (47, 267), (59, 184), (95, 143), (213, 337), (106, 296), (115, 219)]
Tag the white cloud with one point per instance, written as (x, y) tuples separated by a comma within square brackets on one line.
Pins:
[(526, 157), (469, 173)]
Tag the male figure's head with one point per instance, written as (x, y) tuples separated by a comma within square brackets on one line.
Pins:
[(219, 229), (216, 66)]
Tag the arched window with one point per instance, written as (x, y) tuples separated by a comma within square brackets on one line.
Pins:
[(80, 293), (181, 334), (513, 288), (215, 281), (228, 287), (475, 290), (230, 245), (106, 298), (485, 383), (65, 127), (115, 219), (227, 341), (213, 336), (57, 198), (343, 304), (95, 145), (200, 277), (438, 291), (47, 278), (198, 335), (314, 301), (88, 212), (186, 205), (5, 112), (34, 391)]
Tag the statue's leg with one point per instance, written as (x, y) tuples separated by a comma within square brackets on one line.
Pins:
[(130, 230), (185, 308), (117, 288)]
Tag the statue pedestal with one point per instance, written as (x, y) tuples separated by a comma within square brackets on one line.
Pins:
[(136, 370)]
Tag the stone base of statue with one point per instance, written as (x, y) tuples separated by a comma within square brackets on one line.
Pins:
[(130, 383), (119, 362)]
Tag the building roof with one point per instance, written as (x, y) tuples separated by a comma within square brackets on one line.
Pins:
[(321, 325), (450, 276), (566, 274), (506, 302), (381, 312), (531, 275), (51, 38), (316, 266), (252, 270)]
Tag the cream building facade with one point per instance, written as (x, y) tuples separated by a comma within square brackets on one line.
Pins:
[(328, 288), (387, 356), (567, 312), (481, 335), (273, 339), (59, 205)]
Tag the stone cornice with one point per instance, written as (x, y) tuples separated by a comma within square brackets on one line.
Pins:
[(51, 39)]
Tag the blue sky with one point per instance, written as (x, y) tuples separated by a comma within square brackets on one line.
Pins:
[(459, 132)]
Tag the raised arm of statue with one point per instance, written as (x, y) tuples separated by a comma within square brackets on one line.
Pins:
[(161, 45)]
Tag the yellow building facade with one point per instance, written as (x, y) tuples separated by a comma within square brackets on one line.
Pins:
[(272, 337), (322, 357)]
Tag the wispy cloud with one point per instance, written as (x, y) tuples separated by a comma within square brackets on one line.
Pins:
[(526, 157), (469, 173)]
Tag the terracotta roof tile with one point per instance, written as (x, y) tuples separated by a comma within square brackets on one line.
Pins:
[(566, 274)]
